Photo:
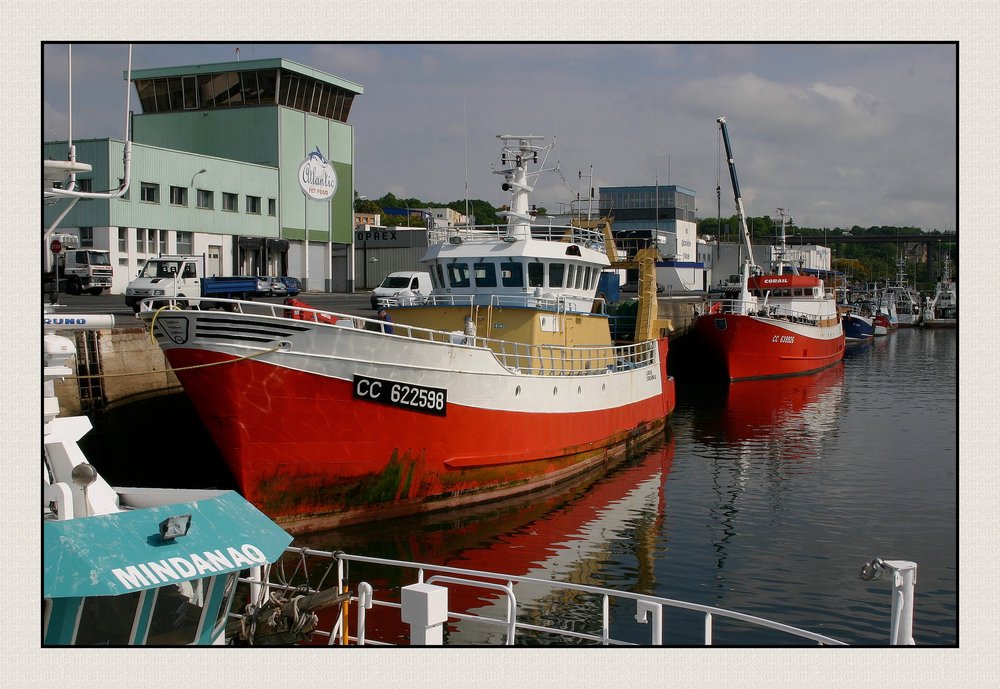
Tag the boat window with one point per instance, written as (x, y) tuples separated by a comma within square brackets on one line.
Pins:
[(798, 291), (107, 620), (571, 276), (486, 275), (586, 278), (440, 276), (572, 250), (458, 274), (786, 292), (536, 274), (227, 602), (176, 614), (556, 271), (512, 274), (579, 277)]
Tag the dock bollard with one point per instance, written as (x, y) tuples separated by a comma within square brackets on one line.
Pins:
[(425, 609)]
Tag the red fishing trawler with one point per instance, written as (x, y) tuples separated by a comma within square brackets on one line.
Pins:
[(770, 325), (504, 379)]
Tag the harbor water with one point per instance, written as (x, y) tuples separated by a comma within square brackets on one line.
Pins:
[(766, 498), (763, 497)]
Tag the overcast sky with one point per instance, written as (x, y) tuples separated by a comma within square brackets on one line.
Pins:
[(841, 134)]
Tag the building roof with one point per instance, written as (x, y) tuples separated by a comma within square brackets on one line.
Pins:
[(246, 65)]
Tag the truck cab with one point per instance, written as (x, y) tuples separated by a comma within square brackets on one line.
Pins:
[(172, 277)]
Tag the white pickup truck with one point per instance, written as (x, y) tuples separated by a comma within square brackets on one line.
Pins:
[(403, 284), (178, 279)]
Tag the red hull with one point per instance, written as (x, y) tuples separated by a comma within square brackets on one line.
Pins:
[(747, 347), (311, 456)]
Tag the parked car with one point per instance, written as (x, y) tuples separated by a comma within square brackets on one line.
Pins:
[(277, 287), (633, 286), (263, 287), (292, 286)]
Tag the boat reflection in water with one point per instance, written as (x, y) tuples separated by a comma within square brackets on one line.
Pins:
[(567, 534), (778, 418), (762, 443)]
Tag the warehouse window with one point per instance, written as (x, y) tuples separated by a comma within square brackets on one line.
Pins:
[(230, 201), (253, 205), (184, 243), (149, 192), (206, 199)]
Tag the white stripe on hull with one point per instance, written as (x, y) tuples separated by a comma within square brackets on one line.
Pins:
[(472, 375)]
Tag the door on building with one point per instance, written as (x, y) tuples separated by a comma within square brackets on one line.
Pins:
[(214, 266)]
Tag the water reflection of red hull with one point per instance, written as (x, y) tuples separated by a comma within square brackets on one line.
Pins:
[(559, 537), (770, 407)]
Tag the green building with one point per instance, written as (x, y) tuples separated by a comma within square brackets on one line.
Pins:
[(250, 163)]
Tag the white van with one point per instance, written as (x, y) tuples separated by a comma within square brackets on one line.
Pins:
[(403, 286)]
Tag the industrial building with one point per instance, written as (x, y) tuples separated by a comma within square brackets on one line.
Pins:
[(250, 163)]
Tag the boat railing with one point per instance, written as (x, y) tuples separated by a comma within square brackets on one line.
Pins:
[(762, 309), (527, 610), (590, 238), (562, 303), (517, 357)]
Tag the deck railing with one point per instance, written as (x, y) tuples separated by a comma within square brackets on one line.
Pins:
[(424, 603), (590, 238), (764, 310), (526, 359)]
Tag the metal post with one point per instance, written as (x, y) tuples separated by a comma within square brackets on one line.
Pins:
[(642, 610), (425, 609), (364, 603), (904, 579)]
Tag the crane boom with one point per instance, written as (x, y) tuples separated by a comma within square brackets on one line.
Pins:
[(736, 188)]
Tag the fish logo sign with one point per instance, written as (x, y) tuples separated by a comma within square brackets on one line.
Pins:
[(174, 328), (317, 177)]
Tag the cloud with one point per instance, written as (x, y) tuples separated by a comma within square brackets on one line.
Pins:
[(350, 61), (847, 97)]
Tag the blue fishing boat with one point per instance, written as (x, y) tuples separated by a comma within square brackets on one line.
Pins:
[(857, 327)]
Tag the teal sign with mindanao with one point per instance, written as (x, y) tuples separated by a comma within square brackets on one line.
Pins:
[(112, 554)]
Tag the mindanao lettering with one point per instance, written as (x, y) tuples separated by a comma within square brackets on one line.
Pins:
[(185, 567)]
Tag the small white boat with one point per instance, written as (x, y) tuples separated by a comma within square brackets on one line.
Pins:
[(133, 566), (941, 310), (905, 297)]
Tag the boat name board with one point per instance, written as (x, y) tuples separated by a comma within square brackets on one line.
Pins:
[(406, 395), (192, 565)]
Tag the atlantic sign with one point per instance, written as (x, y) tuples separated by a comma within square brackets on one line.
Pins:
[(317, 177)]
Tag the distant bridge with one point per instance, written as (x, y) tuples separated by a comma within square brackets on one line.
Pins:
[(823, 239)]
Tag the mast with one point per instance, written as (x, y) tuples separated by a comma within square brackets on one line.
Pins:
[(517, 152), (736, 190)]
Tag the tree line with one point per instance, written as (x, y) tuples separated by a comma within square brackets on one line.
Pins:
[(865, 262)]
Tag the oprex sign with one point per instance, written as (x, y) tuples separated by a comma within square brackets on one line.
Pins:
[(317, 177)]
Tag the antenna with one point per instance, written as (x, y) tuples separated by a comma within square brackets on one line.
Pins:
[(465, 127), (656, 177)]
